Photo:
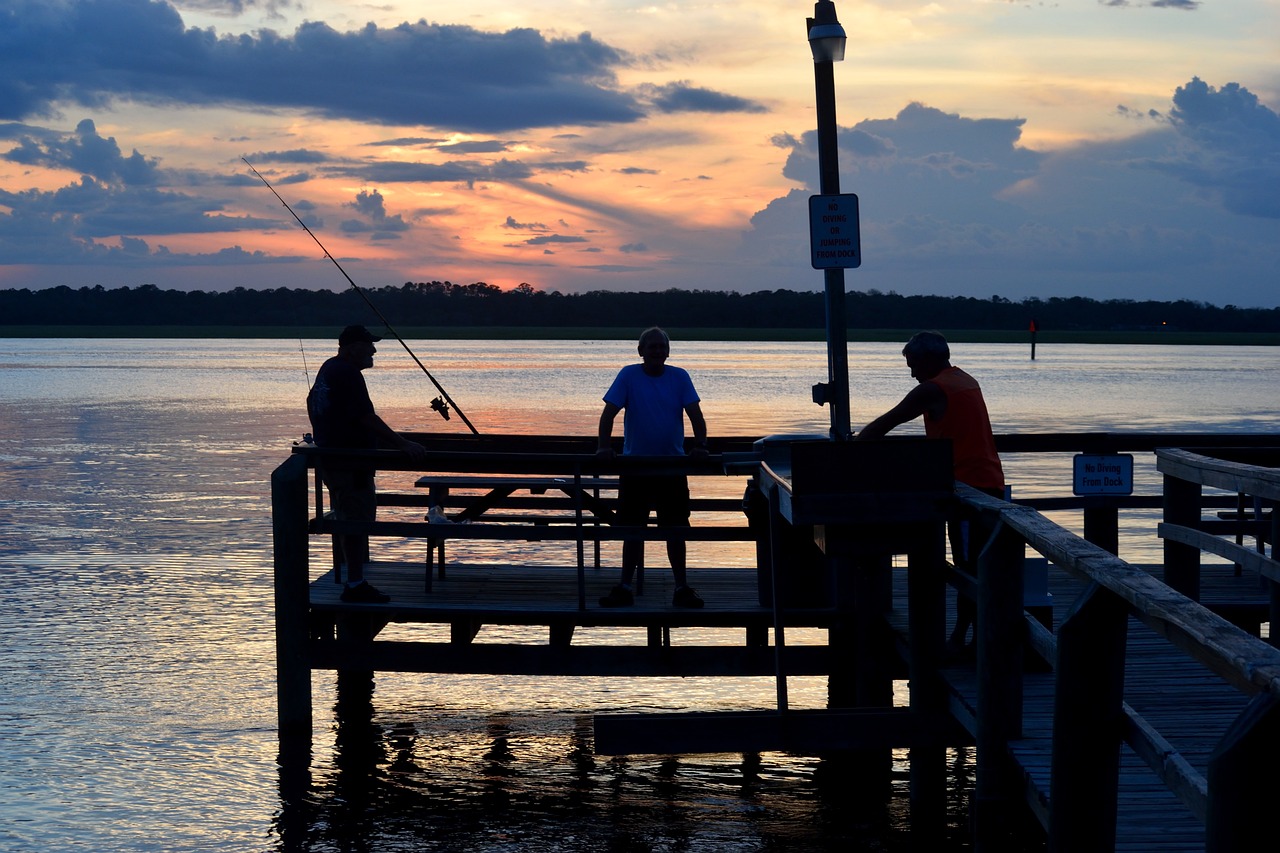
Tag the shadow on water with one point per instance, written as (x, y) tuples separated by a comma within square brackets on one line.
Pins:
[(502, 782)]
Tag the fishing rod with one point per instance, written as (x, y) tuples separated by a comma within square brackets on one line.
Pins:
[(441, 404)]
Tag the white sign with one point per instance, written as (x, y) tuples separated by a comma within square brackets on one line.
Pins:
[(1104, 475), (833, 231)]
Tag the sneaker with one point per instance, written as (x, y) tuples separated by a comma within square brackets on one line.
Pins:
[(619, 596), (364, 593), (686, 596)]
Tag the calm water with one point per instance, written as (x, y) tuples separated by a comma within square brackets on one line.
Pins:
[(137, 706)]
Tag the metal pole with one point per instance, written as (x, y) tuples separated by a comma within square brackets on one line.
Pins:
[(837, 391)]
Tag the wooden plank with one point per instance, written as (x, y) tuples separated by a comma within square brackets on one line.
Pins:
[(1219, 473), (805, 732), (542, 594), (1248, 558), (1225, 648), (602, 661), (532, 533)]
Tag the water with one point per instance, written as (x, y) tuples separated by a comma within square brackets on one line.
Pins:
[(138, 710)]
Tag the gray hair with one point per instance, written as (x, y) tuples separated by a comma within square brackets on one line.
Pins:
[(927, 344)]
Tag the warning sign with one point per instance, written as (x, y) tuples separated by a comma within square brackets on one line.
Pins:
[(833, 231), (1104, 475)]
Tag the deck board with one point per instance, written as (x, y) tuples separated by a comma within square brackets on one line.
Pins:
[(543, 594), (1161, 684)]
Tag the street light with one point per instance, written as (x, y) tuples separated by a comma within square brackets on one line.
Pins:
[(827, 41)]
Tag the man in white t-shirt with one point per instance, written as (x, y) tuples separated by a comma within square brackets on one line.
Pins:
[(655, 397)]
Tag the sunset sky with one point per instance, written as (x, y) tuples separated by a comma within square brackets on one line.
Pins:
[(1099, 148)]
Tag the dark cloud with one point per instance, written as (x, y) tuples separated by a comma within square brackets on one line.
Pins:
[(405, 142), (235, 8), (87, 153), (523, 226), (955, 166), (553, 238), (1231, 145), (1185, 5), (457, 171), (957, 205), (93, 52), (485, 146), (297, 155), (372, 206), (681, 97), (70, 225), (629, 248), (636, 170)]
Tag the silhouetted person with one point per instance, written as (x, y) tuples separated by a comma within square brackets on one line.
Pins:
[(952, 405), (342, 416), (655, 397)]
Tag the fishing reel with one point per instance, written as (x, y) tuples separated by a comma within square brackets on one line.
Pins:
[(441, 406)]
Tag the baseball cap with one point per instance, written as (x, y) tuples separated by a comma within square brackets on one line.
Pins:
[(356, 334)]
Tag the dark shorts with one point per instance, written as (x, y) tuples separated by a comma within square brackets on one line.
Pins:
[(351, 494), (640, 494)]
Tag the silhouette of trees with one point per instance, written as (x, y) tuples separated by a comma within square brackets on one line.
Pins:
[(444, 304)]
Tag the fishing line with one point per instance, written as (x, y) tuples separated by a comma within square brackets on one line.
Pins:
[(305, 371), (441, 404)]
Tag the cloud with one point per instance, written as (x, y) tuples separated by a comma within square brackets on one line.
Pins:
[(1235, 141), (523, 226), (682, 97), (457, 171), (479, 146), (1185, 5), (91, 53), (553, 238), (297, 155), (87, 153), (950, 204), (379, 224)]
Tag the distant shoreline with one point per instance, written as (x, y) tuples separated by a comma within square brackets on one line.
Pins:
[(678, 333)]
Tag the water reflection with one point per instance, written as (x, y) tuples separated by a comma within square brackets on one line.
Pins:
[(506, 781)]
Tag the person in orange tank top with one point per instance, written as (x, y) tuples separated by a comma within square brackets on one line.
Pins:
[(952, 406)]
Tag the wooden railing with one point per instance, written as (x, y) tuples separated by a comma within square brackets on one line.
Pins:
[(1087, 654), (573, 518)]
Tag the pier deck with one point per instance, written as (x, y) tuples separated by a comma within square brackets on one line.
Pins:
[(1144, 717)]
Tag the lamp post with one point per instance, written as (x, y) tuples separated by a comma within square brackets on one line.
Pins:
[(827, 40)]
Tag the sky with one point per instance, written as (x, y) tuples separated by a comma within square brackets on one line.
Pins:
[(1111, 149)]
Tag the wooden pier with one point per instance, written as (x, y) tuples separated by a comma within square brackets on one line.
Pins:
[(1140, 711)]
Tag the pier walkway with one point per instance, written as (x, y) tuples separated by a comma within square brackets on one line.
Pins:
[(1136, 708)]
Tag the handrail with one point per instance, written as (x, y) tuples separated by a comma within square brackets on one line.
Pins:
[(1087, 655), (1240, 477), (1242, 659)]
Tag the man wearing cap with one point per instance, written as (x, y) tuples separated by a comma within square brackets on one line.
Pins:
[(342, 416), (953, 408)]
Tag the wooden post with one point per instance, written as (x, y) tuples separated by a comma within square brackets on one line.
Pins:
[(292, 596), (1273, 587), (1182, 562), (1001, 634), (1102, 527), (927, 609), (1241, 779), (777, 528), (1087, 724), (872, 599)]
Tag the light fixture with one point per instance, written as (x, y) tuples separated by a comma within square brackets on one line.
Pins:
[(826, 35)]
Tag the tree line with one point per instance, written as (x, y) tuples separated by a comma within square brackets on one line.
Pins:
[(444, 304)]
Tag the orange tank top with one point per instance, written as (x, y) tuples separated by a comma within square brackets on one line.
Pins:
[(968, 426)]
